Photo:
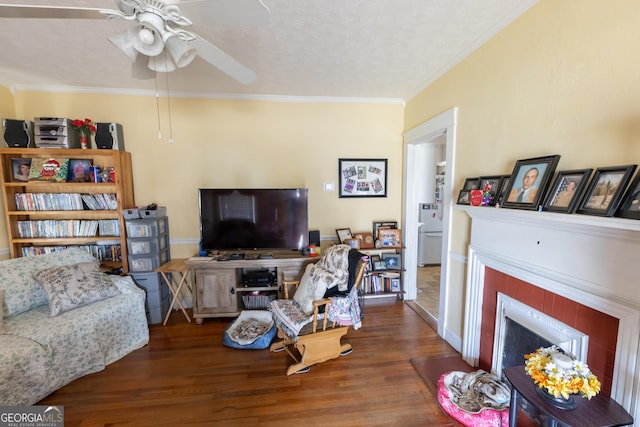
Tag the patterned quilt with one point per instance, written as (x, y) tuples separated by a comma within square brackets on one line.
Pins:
[(39, 353)]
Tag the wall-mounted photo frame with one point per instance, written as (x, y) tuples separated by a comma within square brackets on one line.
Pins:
[(471, 184), (362, 177), (394, 261), (605, 190), (566, 191), (529, 181), (343, 234), (389, 238), (464, 197), (630, 206), (490, 185), (20, 169)]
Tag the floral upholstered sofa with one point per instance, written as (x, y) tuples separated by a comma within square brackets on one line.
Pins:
[(62, 319)]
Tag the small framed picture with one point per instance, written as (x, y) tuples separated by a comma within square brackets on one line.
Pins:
[(503, 189), (605, 190), (377, 225), (20, 169), (490, 185), (395, 284), (630, 207), (377, 264), (394, 261), (471, 184), (389, 238), (366, 240), (566, 190), (353, 242), (343, 234), (464, 197), (529, 182), (79, 170)]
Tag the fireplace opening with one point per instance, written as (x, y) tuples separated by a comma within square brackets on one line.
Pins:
[(518, 341)]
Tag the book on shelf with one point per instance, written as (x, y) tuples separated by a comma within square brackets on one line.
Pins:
[(52, 169)]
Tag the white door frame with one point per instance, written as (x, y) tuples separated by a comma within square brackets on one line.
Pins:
[(425, 133)]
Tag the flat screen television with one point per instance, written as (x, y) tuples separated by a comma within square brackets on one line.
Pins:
[(264, 218)]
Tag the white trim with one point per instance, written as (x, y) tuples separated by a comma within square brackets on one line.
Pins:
[(206, 95), (442, 124)]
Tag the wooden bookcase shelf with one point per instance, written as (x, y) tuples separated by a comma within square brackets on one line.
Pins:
[(120, 161)]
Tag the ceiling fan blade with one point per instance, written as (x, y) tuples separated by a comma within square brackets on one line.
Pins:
[(224, 12), (49, 12), (219, 59)]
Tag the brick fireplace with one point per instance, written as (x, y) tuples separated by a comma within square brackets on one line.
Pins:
[(575, 268)]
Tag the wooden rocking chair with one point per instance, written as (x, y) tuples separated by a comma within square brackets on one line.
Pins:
[(319, 338)]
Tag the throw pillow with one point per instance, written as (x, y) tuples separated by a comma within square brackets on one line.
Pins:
[(311, 288), (72, 286), (2, 328)]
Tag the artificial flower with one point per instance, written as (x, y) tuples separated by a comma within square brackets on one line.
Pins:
[(85, 126), (560, 374)]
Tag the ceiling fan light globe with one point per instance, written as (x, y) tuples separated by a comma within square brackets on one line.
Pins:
[(180, 51), (162, 63), (146, 36)]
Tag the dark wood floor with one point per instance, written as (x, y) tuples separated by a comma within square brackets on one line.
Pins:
[(185, 376)]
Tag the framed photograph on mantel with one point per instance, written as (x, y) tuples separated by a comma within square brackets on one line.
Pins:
[(630, 207), (605, 190), (362, 177), (529, 181), (566, 190)]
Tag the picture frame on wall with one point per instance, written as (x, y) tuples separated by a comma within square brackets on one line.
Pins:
[(605, 190), (529, 182), (362, 178), (566, 191), (490, 184), (630, 206)]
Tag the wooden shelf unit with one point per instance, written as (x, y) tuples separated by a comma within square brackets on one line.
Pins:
[(371, 274), (120, 161)]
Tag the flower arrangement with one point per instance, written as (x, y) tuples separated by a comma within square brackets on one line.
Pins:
[(560, 374), (85, 126)]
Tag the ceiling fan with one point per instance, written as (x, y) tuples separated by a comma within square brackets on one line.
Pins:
[(158, 41)]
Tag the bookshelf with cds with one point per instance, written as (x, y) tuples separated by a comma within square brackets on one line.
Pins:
[(46, 215)]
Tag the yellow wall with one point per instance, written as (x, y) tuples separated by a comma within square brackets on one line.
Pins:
[(222, 143), (562, 79), (7, 110)]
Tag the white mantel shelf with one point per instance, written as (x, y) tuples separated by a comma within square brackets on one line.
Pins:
[(551, 219)]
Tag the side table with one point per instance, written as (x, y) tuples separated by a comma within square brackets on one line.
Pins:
[(600, 411), (183, 272)]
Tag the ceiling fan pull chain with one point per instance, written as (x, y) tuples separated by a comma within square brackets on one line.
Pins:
[(158, 105), (169, 104)]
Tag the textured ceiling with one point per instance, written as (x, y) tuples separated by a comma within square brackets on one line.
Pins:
[(384, 49)]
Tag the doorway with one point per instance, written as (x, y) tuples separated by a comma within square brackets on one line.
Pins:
[(438, 130)]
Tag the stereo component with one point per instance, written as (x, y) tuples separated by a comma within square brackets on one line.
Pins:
[(109, 136), (17, 133)]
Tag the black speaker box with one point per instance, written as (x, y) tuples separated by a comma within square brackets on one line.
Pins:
[(17, 133), (314, 237), (109, 136)]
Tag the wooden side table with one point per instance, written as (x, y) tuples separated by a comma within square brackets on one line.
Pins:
[(600, 411), (183, 272)]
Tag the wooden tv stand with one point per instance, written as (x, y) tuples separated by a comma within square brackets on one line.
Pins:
[(218, 289)]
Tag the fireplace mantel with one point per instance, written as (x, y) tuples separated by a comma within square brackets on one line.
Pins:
[(588, 259)]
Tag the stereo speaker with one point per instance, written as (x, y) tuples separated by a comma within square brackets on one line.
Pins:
[(17, 133), (314, 237), (109, 136)]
